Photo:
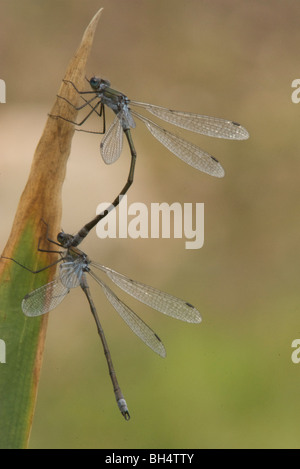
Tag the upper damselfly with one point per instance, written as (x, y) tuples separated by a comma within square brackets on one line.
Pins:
[(112, 142)]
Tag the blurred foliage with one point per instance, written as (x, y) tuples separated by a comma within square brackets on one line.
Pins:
[(229, 382)]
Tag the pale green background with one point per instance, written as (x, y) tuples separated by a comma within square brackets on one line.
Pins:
[(230, 382)]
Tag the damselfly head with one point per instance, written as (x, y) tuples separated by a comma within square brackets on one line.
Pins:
[(65, 239), (99, 84)]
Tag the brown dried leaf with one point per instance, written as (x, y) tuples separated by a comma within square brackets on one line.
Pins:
[(41, 199)]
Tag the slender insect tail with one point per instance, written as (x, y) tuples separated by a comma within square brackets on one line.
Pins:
[(117, 390)]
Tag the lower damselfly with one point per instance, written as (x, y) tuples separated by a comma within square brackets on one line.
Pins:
[(74, 265)]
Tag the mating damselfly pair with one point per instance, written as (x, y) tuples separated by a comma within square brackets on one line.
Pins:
[(74, 264)]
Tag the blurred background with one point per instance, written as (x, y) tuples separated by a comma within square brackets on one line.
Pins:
[(229, 382)]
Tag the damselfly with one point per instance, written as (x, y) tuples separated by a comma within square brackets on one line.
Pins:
[(112, 142), (73, 269)]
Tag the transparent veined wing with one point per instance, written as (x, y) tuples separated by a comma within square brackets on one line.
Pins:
[(44, 299), (205, 125), (126, 118), (156, 299), (186, 151), (139, 327), (112, 142), (70, 273)]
